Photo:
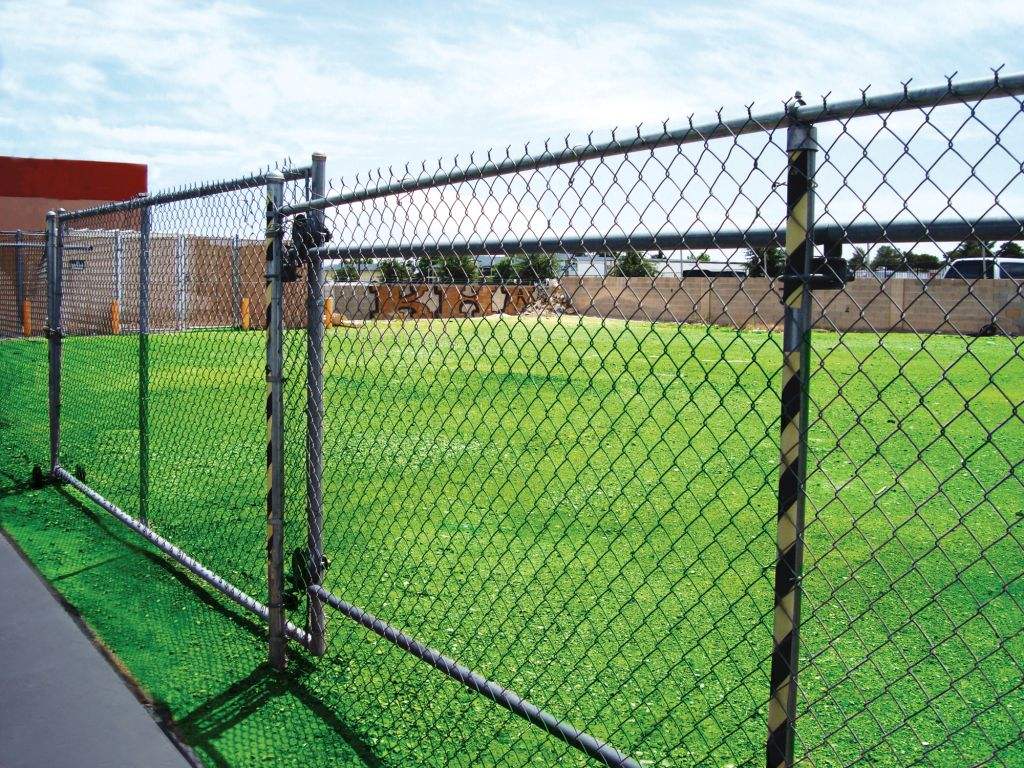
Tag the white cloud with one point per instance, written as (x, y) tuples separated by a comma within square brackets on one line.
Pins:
[(212, 89)]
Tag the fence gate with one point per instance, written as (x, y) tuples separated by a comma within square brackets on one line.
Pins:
[(605, 434), (159, 380)]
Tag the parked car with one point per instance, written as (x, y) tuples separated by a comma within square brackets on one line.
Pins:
[(992, 268), (713, 270)]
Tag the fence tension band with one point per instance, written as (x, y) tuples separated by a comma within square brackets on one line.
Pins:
[(226, 588), (476, 682)]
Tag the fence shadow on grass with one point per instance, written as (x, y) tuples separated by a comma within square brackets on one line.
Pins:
[(114, 530), (245, 698)]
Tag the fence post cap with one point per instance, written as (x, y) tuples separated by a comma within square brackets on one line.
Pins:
[(319, 155), (275, 176)]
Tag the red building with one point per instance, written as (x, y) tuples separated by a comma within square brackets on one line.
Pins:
[(29, 187)]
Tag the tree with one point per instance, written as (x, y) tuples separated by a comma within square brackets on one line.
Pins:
[(1010, 250), (921, 262), (395, 271), (632, 264), (534, 267), (346, 273), (896, 260), (888, 257), (859, 259), (972, 249), (766, 262), (504, 271), (699, 258), (450, 268), (525, 268)]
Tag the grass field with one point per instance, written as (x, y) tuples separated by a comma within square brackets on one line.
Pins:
[(581, 509)]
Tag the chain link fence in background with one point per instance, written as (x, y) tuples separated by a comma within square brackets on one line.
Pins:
[(630, 504)]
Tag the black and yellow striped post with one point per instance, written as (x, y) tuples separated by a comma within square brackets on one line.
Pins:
[(316, 311), (274, 318), (796, 298)]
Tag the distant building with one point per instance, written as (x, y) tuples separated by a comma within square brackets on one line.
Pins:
[(29, 187), (668, 263)]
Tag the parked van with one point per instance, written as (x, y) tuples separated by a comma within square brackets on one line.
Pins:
[(978, 269)]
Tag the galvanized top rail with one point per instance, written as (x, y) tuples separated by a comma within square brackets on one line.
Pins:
[(907, 99), (189, 193), (867, 233)]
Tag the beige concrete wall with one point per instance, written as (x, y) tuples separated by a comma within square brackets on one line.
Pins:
[(943, 306)]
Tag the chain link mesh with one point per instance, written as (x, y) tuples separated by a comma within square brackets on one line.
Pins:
[(552, 451), (23, 318), (551, 394)]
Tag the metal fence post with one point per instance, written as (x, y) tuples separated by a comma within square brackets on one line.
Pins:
[(118, 299), (145, 223), (796, 298), (19, 282), (180, 282), (54, 269), (236, 282), (315, 414), (274, 316)]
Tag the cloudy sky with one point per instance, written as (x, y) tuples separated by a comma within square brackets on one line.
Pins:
[(200, 90)]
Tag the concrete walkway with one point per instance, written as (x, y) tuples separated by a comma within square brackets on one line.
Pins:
[(62, 705)]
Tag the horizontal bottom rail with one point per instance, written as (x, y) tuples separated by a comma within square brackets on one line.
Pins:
[(226, 588), (474, 681)]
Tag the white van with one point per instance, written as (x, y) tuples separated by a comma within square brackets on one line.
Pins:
[(991, 268)]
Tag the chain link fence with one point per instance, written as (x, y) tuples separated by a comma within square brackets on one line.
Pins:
[(621, 438)]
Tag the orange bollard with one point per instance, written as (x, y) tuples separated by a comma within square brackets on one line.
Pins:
[(245, 313), (115, 317), (329, 312), (26, 318)]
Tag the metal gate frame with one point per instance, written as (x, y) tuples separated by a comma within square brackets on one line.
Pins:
[(272, 613)]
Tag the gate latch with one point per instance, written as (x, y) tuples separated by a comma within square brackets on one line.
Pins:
[(304, 236)]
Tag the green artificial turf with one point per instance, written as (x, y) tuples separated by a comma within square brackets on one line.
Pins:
[(582, 510)]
